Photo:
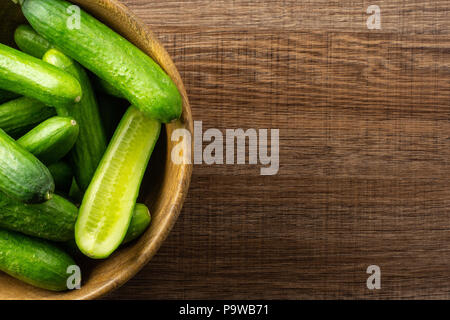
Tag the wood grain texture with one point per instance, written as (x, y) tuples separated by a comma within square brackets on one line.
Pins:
[(364, 150)]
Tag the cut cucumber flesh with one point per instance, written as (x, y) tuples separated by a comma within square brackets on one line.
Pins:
[(108, 203)]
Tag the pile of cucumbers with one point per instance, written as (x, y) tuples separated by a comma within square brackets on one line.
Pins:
[(60, 146)]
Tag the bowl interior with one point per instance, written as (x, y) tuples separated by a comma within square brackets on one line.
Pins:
[(165, 184)]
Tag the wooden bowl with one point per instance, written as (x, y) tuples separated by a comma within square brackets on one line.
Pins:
[(165, 184)]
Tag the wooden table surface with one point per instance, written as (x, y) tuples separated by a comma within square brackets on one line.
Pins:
[(364, 150)]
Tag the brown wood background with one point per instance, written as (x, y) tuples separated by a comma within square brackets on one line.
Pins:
[(364, 150)]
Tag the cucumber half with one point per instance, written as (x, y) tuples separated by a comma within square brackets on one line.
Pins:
[(108, 203)]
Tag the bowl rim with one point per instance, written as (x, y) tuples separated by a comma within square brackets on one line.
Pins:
[(185, 171)]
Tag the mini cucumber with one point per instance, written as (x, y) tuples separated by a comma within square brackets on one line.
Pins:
[(108, 203), (34, 261), (139, 222), (52, 220), (52, 139), (91, 143), (30, 42), (31, 77), (108, 55), (7, 96), (62, 175), (20, 115), (22, 175)]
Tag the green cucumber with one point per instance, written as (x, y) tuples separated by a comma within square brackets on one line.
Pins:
[(52, 139), (22, 175), (30, 42), (7, 95), (108, 203), (91, 143), (20, 115), (139, 222), (31, 77), (34, 261), (62, 175), (52, 220), (110, 56)]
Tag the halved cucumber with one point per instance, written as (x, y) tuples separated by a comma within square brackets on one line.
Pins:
[(31, 77), (108, 203), (34, 261), (52, 139)]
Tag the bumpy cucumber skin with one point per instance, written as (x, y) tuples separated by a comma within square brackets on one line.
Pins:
[(107, 88), (108, 203), (22, 175), (52, 139), (7, 96), (91, 143), (111, 57), (34, 261), (62, 175), (139, 222), (31, 77), (30, 42), (52, 220), (20, 115)]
